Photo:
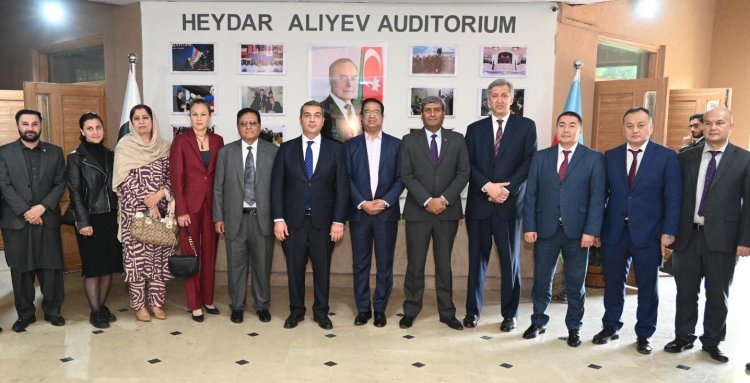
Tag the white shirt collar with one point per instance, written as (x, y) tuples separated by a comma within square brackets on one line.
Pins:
[(723, 148), (642, 147), (572, 148)]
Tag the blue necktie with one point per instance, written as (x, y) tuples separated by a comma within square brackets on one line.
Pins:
[(710, 173), (308, 171), (434, 151)]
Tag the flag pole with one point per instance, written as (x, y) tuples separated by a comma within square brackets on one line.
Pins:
[(132, 97)]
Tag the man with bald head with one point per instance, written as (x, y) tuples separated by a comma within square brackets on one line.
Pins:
[(342, 107), (714, 230)]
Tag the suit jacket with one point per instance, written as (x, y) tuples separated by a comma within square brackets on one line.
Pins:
[(424, 180), (15, 185), (511, 164), (335, 122), (389, 176), (726, 217), (191, 181), (329, 187), (578, 199), (700, 144), (652, 205), (229, 186)]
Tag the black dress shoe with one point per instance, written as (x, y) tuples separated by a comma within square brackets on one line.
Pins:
[(212, 311), (55, 320), (237, 316), (678, 345), (574, 338), (108, 314), (716, 353), (452, 322), (508, 324), (293, 319), (471, 321), (264, 315), (324, 322), (380, 320), (98, 320), (406, 321), (604, 336), (197, 318), (644, 345), (21, 324), (362, 318), (533, 331)]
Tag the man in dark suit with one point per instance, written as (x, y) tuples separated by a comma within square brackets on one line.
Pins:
[(242, 212), (375, 180), (434, 169), (641, 219), (563, 212), (342, 107), (32, 181), (500, 150), (695, 138), (714, 230), (309, 201)]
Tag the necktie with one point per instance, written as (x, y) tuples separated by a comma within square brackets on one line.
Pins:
[(499, 135), (308, 171), (433, 151), (249, 177), (564, 165), (633, 167), (710, 173)]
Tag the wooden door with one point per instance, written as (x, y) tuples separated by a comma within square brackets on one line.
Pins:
[(61, 106), (613, 98), (683, 103)]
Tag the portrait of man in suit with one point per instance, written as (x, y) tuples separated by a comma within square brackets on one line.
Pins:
[(563, 212), (242, 212), (500, 150), (643, 197), (342, 107), (375, 180), (32, 181), (309, 204), (714, 230), (434, 170)]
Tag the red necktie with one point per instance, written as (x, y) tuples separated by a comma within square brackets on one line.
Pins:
[(563, 165), (633, 166), (499, 135)]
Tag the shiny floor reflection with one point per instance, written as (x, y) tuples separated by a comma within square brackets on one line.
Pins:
[(178, 349)]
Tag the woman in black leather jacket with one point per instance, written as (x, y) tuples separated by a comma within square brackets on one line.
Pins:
[(94, 205)]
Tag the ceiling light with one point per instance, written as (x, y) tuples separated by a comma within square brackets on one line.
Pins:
[(53, 12)]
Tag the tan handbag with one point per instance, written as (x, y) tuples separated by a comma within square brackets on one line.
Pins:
[(160, 232)]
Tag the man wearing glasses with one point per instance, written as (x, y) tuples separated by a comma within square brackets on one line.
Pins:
[(695, 138)]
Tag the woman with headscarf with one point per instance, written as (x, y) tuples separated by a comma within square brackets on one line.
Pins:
[(141, 181)]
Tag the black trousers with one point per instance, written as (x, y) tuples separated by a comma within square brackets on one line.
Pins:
[(52, 286)]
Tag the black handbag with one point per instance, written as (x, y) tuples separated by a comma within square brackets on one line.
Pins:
[(68, 218), (184, 266)]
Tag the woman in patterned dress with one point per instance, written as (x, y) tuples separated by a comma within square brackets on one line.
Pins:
[(141, 181)]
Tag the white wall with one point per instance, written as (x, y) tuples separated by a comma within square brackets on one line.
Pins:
[(535, 26)]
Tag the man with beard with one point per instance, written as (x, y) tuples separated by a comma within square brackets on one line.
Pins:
[(695, 138), (32, 180)]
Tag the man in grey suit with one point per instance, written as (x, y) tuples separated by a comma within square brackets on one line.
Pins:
[(434, 169), (714, 230), (563, 212), (242, 212), (32, 180)]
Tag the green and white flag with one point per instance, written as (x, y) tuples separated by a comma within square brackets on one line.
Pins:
[(132, 98)]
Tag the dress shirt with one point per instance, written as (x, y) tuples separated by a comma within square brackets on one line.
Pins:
[(374, 146), (254, 145), (315, 149), (705, 158), (561, 156), (495, 125), (439, 141), (629, 157)]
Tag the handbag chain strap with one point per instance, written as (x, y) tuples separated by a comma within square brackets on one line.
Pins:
[(190, 241)]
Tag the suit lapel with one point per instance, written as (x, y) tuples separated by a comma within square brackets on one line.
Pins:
[(236, 152), (509, 135), (21, 164), (445, 144), (323, 157), (550, 165), (214, 144), (424, 145), (621, 164), (726, 160), (646, 158), (43, 158), (576, 158)]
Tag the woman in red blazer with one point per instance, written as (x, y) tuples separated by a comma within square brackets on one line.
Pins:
[(192, 161)]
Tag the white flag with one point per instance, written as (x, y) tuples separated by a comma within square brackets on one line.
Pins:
[(132, 98)]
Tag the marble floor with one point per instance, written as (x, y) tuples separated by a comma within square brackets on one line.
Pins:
[(178, 349)]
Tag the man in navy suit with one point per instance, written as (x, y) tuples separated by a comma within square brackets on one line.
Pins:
[(500, 150), (375, 178), (563, 212), (309, 200), (644, 196)]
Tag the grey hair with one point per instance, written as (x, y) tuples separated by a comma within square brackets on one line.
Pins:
[(432, 100), (500, 82)]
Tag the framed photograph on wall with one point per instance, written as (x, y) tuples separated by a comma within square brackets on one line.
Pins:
[(183, 95), (262, 59), (356, 72), (272, 132), (193, 58), (417, 94), (503, 61), (433, 60), (266, 99), (516, 107)]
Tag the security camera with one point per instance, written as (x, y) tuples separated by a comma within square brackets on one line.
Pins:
[(553, 8)]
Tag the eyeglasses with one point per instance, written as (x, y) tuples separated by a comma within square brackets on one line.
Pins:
[(372, 112), (245, 124), (693, 126)]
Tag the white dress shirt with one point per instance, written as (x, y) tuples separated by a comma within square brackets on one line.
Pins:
[(629, 157), (705, 159), (561, 156), (315, 149)]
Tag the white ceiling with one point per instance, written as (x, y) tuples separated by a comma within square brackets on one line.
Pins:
[(125, 2)]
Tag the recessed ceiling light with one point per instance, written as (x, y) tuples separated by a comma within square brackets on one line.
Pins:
[(53, 12)]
